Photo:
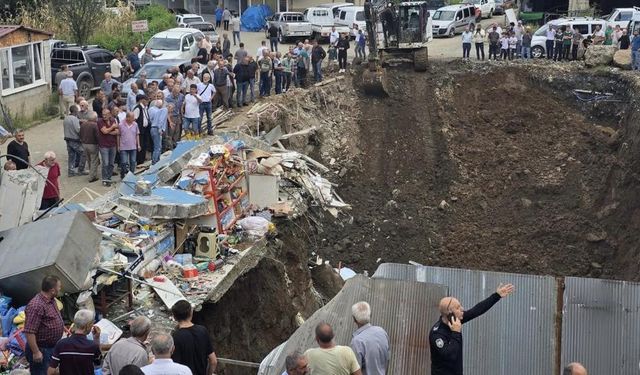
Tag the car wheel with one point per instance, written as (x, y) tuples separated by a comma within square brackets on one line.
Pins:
[(537, 52), (491, 13), (84, 88), (452, 32)]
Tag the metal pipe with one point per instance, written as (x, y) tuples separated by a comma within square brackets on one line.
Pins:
[(238, 363)]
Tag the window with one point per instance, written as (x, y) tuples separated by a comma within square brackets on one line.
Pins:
[(582, 28), (443, 15), (624, 16), (459, 15), (360, 16), (164, 44), (343, 15), (185, 44), (21, 66)]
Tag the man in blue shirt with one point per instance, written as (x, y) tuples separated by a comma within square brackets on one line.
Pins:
[(369, 343), (219, 12), (635, 50), (158, 116), (134, 59)]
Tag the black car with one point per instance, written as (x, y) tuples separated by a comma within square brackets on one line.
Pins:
[(88, 64)]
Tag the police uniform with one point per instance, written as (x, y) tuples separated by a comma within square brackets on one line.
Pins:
[(446, 345)]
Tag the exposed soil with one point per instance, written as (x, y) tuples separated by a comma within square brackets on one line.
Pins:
[(521, 167)]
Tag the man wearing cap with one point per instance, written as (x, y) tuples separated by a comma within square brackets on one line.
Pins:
[(68, 92)]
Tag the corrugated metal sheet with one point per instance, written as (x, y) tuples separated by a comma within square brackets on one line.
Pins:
[(515, 336), (7, 29), (600, 325), (401, 308)]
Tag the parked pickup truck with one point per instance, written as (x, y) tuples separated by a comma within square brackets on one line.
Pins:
[(321, 23), (88, 65), (290, 25)]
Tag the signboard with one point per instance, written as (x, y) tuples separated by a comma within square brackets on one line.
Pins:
[(139, 26)]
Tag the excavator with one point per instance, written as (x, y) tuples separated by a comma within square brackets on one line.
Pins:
[(397, 32)]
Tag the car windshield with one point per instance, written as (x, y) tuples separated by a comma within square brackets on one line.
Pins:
[(164, 44), (153, 71), (444, 15), (192, 19)]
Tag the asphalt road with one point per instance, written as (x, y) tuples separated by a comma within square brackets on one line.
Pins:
[(49, 135)]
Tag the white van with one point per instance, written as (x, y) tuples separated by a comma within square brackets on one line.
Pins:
[(453, 19), (622, 16), (350, 16), (585, 25), (334, 8), (177, 43)]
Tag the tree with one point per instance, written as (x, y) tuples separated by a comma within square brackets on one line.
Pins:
[(82, 16)]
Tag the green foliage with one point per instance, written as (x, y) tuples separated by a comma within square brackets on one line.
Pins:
[(116, 32), (82, 16)]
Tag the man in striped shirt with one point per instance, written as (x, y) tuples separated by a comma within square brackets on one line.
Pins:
[(77, 355)]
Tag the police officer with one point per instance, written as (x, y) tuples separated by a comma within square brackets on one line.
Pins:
[(445, 338)]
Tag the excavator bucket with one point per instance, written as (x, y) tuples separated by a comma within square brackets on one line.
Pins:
[(374, 80)]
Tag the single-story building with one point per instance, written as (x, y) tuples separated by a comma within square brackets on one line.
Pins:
[(25, 69)]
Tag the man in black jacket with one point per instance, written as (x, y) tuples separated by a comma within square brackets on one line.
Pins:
[(445, 338), (273, 37), (244, 73), (317, 55)]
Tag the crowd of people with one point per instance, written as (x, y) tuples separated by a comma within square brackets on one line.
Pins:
[(562, 43), (155, 114)]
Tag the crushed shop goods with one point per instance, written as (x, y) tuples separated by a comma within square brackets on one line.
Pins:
[(184, 229)]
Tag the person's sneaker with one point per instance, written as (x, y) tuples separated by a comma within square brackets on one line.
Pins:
[(93, 179)]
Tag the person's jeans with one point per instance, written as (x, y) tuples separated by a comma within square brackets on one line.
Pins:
[(91, 153), (635, 60), (205, 108), (526, 52), (39, 368), (76, 157), (173, 134), (241, 93), (252, 84), (574, 51), (265, 83), (107, 158), (466, 49), (226, 25), (549, 46), (156, 137), (566, 51), (342, 59), (493, 51), (273, 43), (278, 77), (192, 125), (287, 81), (128, 159), (222, 94), (479, 50), (557, 52), (317, 71), (236, 34), (519, 48)]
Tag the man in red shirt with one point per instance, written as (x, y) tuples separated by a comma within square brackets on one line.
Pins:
[(51, 194), (43, 326)]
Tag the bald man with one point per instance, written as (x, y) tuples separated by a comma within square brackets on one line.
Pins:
[(574, 368), (445, 338)]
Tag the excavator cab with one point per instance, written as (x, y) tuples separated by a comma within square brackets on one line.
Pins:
[(413, 19)]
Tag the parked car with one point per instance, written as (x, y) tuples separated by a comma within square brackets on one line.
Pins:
[(88, 65), (290, 25), (322, 22), (622, 16), (154, 71), (178, 11), (207, 29), (585, 25), (633, 25), (353, 15), (453, 19), (334, 8), (183, 20), (178, 43), (486, 7)]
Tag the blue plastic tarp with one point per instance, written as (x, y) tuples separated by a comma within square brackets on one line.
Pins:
[(255, 17)]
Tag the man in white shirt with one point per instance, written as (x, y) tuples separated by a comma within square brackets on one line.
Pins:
[(263, 47), (68, 92), (191, 79), (162, 348), (116, 67), (551, 35), (334, 36), (191, 113)]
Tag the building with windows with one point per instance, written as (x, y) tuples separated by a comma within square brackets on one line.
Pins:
[(25, 69)]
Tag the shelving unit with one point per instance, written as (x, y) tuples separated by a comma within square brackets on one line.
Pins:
[(227, 192)]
